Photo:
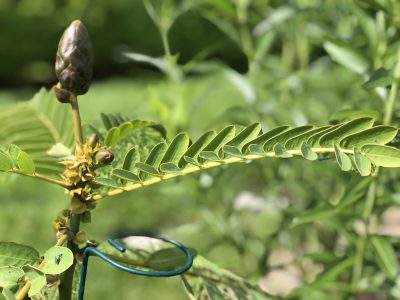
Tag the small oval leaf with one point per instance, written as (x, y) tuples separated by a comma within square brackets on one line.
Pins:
[(57, 260), (25, 163)]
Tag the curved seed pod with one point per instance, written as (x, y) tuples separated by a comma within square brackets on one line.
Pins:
[(104, 157), (74, 59)]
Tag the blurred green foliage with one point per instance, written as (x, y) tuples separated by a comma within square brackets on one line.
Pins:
[(300, 61)]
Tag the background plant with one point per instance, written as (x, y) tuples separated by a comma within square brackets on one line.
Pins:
[(287, 92)]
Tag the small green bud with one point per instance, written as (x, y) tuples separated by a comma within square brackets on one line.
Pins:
[(104, 157), (92, 140), (74, 59)]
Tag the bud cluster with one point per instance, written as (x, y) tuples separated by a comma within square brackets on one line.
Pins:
[(80, 173), (74, 62)]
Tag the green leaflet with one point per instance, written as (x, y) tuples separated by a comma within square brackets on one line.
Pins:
[(349, 128), (265, 137), (148, 169), (57, 260), (342, 159), (210, 155), (346, 55), (107, 122), (168, 259), (194, 150), (280, 151), (125, 175), (156, 155), (307, 152), (380, 78), (313, 141), (297, 141), (233, 151), (350, 114), (285, 136), (376, 135), (112, 137), (221, 139), (385, 256), (176, 149), (13, 254), (320, 213), (361, 163), (246, 135), (6, 163), (199, 284), (37, 279), (10, 276), (25, 163), (170, 168), (130, 159), (107, 182), (383, 156)]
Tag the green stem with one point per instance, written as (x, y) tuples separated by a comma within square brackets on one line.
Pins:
[(371, 196), (65, 288), (77, 121), (42, 177)]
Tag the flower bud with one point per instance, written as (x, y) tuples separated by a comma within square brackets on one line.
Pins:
[(104, 157), (92, 140), (61, 94), (74, 60)]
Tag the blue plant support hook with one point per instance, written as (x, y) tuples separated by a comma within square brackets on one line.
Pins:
[(94, 251)]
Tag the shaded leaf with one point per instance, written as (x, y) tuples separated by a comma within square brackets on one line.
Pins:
[(385, 256), (266, 136), (233, 151), (346, 55), (194, 150), (125, 175), (130, 159), (170, 168), (297, 141), (307, 152), (176, 149), (349, 128), (10, 276), (376, 135), (285, 136), (342, 159), (350, 114), (36, 278), (280, 151), (13, 254), (107, 182), (362, 163), (221, 139), (247, 134), (148, 169), (380, 78)]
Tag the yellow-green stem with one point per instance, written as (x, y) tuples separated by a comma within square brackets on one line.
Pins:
[(41, 177), (65, 288)]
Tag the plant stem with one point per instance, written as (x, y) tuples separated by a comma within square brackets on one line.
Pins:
[(371, 196), (393, 93), (77, 121), (25, 289), (42, 177), (65, 288)]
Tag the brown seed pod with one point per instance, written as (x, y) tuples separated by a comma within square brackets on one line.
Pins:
[(74, 59)]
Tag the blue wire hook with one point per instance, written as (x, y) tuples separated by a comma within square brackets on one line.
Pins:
[(119, 247)]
